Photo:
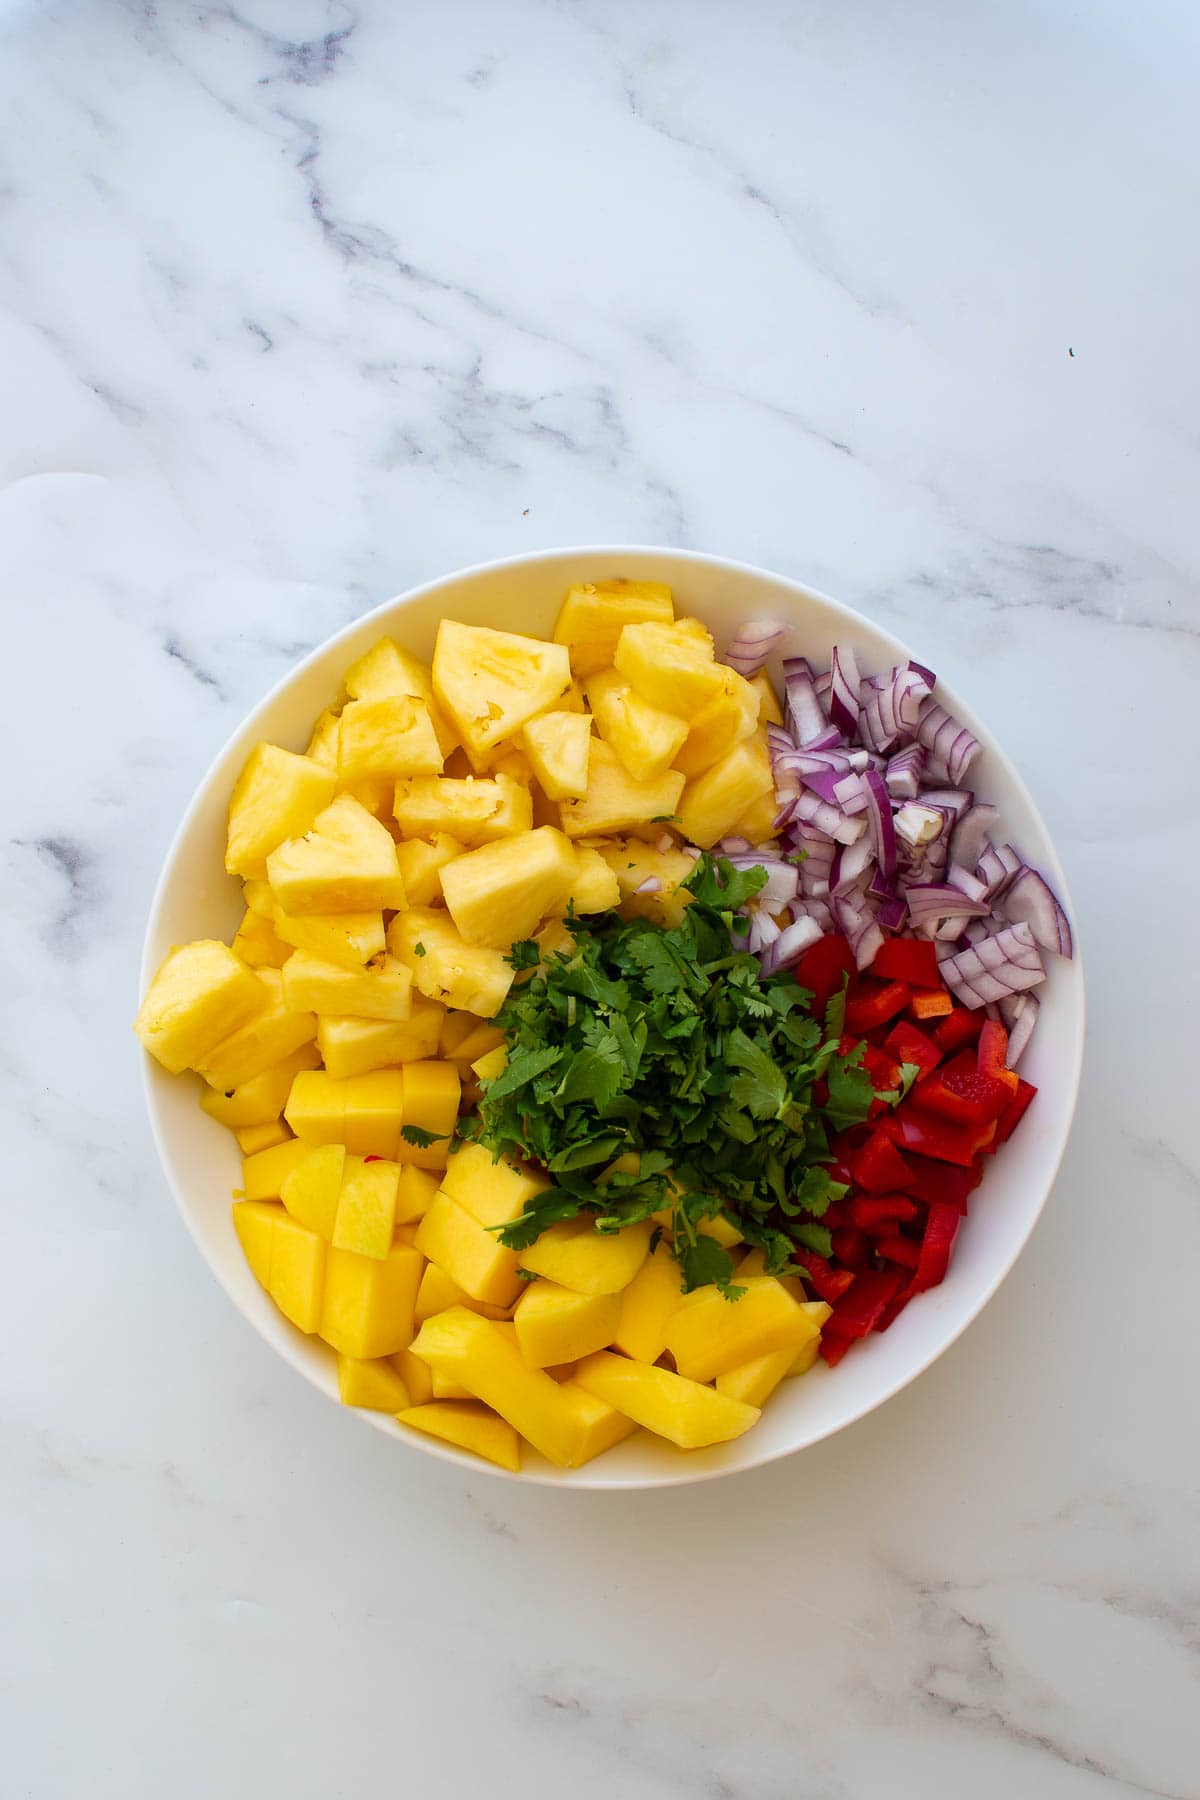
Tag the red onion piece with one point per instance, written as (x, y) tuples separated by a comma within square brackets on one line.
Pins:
[(904, 771), (996, 868), (1020, 1014), (752, 643), (951, 747), (828, 819), (790, 945), (1031, 901), (843, 690), (651, 885), (1005, 964), (805, 714), (879, 817), (965, 882), (931, 903), (783, 878), (763, 931), (953, 801)]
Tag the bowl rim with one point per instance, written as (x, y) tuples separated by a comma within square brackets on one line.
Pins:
[(687, 1474)]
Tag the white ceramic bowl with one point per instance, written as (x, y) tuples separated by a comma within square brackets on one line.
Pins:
[(196, 899)]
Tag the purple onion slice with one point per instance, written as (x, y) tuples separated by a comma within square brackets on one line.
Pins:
[(904, 771), (952, 749), (879, 816), (998, 966), (752, 643), (1020, 1014), (1031, 901), (805, 714), (843, 690), (997, 867), (971, 833), (787, 949)]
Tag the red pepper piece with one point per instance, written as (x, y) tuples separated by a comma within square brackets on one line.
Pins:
[(872, 1007), (958, 1029), (993, 1049), (878, 1166), (960, 1093), (837, 1213), (893, 1311), (908, 959), (823, 968), (1015, 1111), (873, 1213), (931, 1136), (941, 1226), (898, 1250), (908, 1045), (859, 1310), (852, 1247), (883, 1069), (828, 1283), (930, 1003), (937, 1182), (833, 1349)]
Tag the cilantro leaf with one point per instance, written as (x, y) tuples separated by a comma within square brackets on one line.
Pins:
[(761, 1088), (815, 1237), (717, 885), (418, 1136), (524, 955), (523, 1065), (850, 1092), (706, 1262)]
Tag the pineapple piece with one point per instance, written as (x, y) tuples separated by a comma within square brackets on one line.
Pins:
[(382, 738), (484, 1359), (374, 794), (374, 1383), (499, 893), (367, 1310), (468, 1426), (633, 864), (556, 1326), (553, 940), (492, 1191), (471, 1255), (381, 990), (351, 1045), (265, 1171), (387, 670), (646, 739), (490, 682), (363, 1112), (348, 938), (347, 863), (648, 1305), (475, 810), (323, 744), (614, 800), (273, 1033), (421, 865), (432, 1093), (268, 1136), (595, 887), (577, 1256), (366, 1207), (595, 613), (769, 710), (716, 800), (199, 996), (257, 943), (456, 1028), (671, 666), (680, 1410), (470, 977), (757, 823), (706, 1341), (311, 1190), (259, 898), (259, 1101), (414, 1193), (277, 795), (491, 1065), (557, 745), (730, 716)]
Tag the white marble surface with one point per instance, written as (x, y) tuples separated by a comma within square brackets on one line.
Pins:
[(300, 304)]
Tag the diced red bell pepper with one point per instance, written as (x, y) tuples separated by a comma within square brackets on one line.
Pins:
[(859, 1310), (832, 1349), (993, 1051), (892, 1312), (878, 1166), (852, 1247), (823, 968), (960, 1093), (935, 1182), (883, 1069), (1014, 1112), (930, 1003), (839, 1171), (837, 1213), (930, 1136), (829, 1283), (908, 959), (901, 1250), (958, 1029), (909, 1045), (874, 1213), (875, 1006), (941, 1226)]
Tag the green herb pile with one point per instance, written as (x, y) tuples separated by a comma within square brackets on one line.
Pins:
[(668, 1042)]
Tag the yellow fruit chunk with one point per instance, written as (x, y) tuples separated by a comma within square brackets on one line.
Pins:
[(553, 940), (490, 682), (481, 1038), (716, 800), (276, 796), (322, 745), (473, 809), (499, 893), (600, 1425), (633, 864), (614, 800), (353, 1046), (754, 1265), (421, 865), (200, 995), (381, 990), (437, 1292), (254, 1223), (710, 1335), (806, 1356), (595, 887), (368, 1304), (272, 1034), (366, 1206), (675, 1408), (258, 944), (491, 1065), (469, 1426), (648, 1305), (446, 1388), (595, 613), (432, 1093), (577, 1256), (364, 1112), (373, 1383), (386, 669), (645, 738), (555, 1325), (757, 823), (258, 1101), (414, 1193), (456, 1027), (671, 666), (769, 710), (493, 1192), (557, 745), (298, 1264), (253, 1138), (348, 938), (415, 1375), (265, 1171), (730, 716), (471, 1256), (375, 794), (486, 1360), (469, 977), (312, 1187), (346, 863), (258, 897), (391, 737), (754, 1382)]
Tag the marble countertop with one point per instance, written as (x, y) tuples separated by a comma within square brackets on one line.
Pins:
[(301, 304)]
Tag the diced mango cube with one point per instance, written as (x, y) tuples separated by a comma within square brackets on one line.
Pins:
[(710, 1335), (432, 1092), (485, 1359), (414, 1193), (474, 810), (683, 1411), (557, 745), (716, 800), (472, 1256), (264, 1098), (648, 1305), (445, 1387), (492, 1191), (754, 1382), (481, 1038), (275, 1032), (363, 1112), (312, 1187), (254, 1223), (470, 977), (645, 738), (469, 1426), (298, 1264), (374, 1383), (415, 1375), (730, 716), (577, 1256), (595, 613), (499, 893), (366, 1206), (265, 1171), (671, 666), (490, 682), (421, 865), (615, 801), (600, 1425), (346, 863), (381, 990), (199, 996), (276, 796), (368, 1303), (253, 1138), (354, 1046), (348, 938), (555, 1325)]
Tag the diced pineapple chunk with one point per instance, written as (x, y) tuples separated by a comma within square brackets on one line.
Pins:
[(323, 744), (265, 1171), (716, 800), (432, 1092), (200, 995), (368, 1302), (594, 887), (470, 977), (683, 1411), (374, 1383), (272, 1034), (472, 1256), (499, 893), (645, 738), (276, 796), (490, 682), (469, 1426), (258, 944), (486, 1360), (557, 745), (478, 1041), (473, 809), (648, 1305), (381, 990), (634, 864), (769, 710), (382, 738), (253, 1138), (614, 800), (366, 1207), (387, 669), (349, 938), (595, 613), (491, 1065), (312, 1187), (492, 1191), (709, 1335), (555, 1325), (347, 863), (757, 823), (421, 865), (671, 666), (730, 716), (577, 1256), (258, 1101), (351, 1045)]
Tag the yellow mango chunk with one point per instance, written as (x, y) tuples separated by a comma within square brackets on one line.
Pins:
[(469, 1426), (354, 1046), (364, 1112), (253, 1138), (754, 1382), (730, 716), (346, 863), (387, 737), (491, 1065), (710, 1335), (199, 996), (493, 1192), (600, 1425), (374, 1383), (312, 1187), (671, 666), (715, 801), (298, 1264), (595, 613), (446, 1388), (276, 796), (254, 1223), (368, 1302), (615, 801), (753, 1266), (349, 938), (432, 1092), (381, 990), (258, 1101), (271, 1035), (673, 1407), (489, 682), (470, 977), (415, 1190), (633, 864), (258, 944), (421, 865), (415, 1375), (555, 1325), (265, 1171), (485, 1359), (557, 745), (475, 810), (648, 1305), (366, 1206), (481, 1038), (471, 1256), (499, 893), (577, 1256), (645, 738)]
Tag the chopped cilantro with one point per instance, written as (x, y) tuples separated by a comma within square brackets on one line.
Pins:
[(418, 949), (419, 1137)]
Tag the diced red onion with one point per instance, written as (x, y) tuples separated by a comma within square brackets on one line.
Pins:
[(891, 708), (843, 690), (893, 911), (1031, 901), (811, 907), (997, 867), (823, 684), (879, 818), (752, 643), (790, 945), (852, 866), (1005, 964), (664, 842), (966, 883), (931, 903), (904, 771), (951, 747), (953, 801), (860, 927), (783, 878), (734, 846), (828, 819), (805, 714), (971, 833), (1020, 1014), (915, 823), (763, 931), (651, 885)]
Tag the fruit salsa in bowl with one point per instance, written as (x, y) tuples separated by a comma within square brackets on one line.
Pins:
[(590, 1010)]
